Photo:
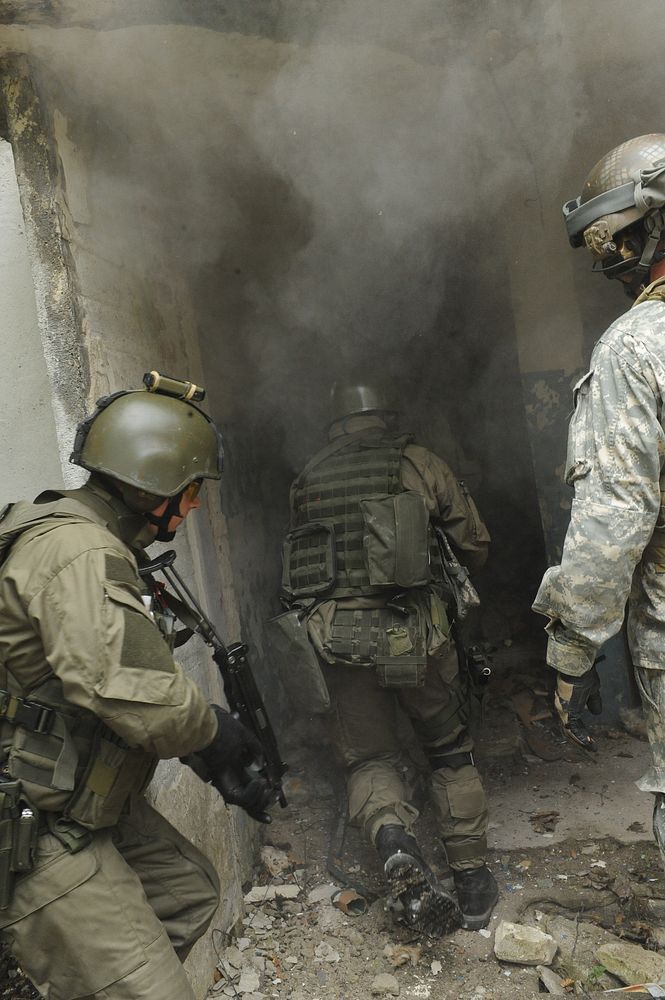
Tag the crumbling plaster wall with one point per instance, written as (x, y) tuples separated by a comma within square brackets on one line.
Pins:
[(107, 312), (28, 440)]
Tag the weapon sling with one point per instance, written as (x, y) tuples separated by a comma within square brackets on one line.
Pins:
[(240, 688)]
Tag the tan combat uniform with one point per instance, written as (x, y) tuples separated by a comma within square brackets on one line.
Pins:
[(117, 897), (614, 550), (366, 713)]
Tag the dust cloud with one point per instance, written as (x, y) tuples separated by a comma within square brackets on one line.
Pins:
[(351, 189)]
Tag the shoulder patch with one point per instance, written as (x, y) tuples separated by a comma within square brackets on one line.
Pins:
[(118, 570)]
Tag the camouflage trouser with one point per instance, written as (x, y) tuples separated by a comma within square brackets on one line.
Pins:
[(115, 920), (365, 731), (651, 684)]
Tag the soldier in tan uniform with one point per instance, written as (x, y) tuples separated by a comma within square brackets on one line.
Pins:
[(99, 895), (362, 562), (614, 552)]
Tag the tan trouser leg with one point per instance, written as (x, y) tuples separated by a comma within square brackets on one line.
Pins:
[(85, 925), (365, 732), (180, 883), (439, 714)]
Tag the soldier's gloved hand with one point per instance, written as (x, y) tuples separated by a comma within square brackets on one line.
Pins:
[(573, 695), (233, 746), (251, 791), (231, 764)]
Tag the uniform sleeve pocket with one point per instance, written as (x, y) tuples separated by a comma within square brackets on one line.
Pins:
[(133, 637), (578, 458)]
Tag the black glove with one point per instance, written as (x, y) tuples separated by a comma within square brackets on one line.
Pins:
[(573, 695), (231, 763), (251, 791), (233, 746)]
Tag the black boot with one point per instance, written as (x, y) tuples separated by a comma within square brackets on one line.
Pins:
[(477, 893), (425, 902)]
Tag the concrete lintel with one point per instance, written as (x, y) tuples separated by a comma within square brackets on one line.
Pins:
[(52, 268)]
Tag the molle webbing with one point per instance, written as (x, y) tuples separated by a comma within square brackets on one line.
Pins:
[(356, 632), (329, 492)]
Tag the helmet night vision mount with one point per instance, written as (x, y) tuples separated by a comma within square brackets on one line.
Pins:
[(625, 188)]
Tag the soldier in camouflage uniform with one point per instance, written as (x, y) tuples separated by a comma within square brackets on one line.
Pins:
[(361, 559), (99, 895), (614, 550)]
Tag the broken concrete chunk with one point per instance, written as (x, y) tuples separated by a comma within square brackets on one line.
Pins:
[(384, 985), (249, 981), (233, 956), (266, 893), (578, 941), (260, 894), (258, 921), (523, 945), (322, 893), (329, 920), (552, 983), (326, 953), (630, 963), (274, 861)]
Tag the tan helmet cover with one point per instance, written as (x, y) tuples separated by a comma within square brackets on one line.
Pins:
[(154, 442)]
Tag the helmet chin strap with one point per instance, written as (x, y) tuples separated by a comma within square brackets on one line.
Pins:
[(654, 224), (161, 522)]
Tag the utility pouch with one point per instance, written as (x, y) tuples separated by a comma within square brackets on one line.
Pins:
[(70, 834), (390, 639), (400, 672), (19, 829), (298, 664), (396, 540), (114, 771), (309, 563)]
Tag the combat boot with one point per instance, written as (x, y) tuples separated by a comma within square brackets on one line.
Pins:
[(477, 893), (424, 901)]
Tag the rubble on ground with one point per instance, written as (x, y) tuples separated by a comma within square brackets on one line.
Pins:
[(577, 897)]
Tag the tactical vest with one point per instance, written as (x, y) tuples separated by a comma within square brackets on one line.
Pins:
[(357, 531), (67, 760)]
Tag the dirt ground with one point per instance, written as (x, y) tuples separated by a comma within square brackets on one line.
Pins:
[(570, 845)]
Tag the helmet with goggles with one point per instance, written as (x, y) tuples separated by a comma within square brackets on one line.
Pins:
[(620, 215)]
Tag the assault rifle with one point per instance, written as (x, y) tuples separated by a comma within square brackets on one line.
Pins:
[(464, 596), (240, 688), (463, 592)]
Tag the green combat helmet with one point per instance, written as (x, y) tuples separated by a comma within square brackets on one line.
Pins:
[(350, 399), (619, 215), (152, 442)]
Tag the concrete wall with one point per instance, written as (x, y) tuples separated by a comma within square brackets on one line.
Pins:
[(28, 440), (110, 310)]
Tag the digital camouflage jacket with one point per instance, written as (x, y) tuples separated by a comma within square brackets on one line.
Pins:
[(614, 551)]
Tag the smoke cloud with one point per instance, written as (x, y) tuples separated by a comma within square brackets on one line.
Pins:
[(351, 189)]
